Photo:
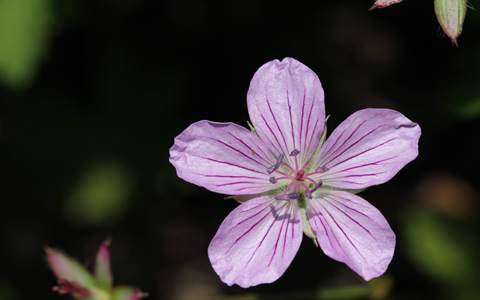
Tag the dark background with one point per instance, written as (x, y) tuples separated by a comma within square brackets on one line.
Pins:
[(86, 124)]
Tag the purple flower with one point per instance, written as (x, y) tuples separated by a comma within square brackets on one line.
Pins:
[(291, 180)]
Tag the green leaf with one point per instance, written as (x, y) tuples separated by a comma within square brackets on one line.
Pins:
[(25, 28), (436, 248), (101, 195), (469, 109)]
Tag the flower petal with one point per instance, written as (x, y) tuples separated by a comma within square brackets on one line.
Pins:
[(368, 148), (256, 242), (222, 157), (351, 230), (286, 106)]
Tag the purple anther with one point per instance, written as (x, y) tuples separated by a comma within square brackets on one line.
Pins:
[(308, 194), (295, 152), (293, 196), (289, 196), (322, 169), (277, 164), (316, 187), (272, 180)]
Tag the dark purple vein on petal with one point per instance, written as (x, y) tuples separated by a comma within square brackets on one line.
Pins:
[(352, 175), (351, 208), (232, 176), (238, 182), (313, 133), (241, 152), (278, 238), (286, 230), (274, 135), (360, 166), (230, 164), (321, 216), (246, 188), (346, 236), (363, 152), (332, 151), (302, 148), (264, 236), (254, 207), (278, 126), (251, 149), (250, 228), (352, 219), (252, 216), (352, 145), (308, 126), (291, 120)]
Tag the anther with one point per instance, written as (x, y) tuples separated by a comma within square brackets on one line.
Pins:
[(295, 152), (277, 164), (316, 187), (322, 169), (289, 196), (272, 180), (293, 196)]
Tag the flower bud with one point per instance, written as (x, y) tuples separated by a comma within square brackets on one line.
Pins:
[(384, 3), (450, 15), (103, 272)]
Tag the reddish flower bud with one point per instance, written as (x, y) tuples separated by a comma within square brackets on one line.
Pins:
[(384, 3), (103, 272)]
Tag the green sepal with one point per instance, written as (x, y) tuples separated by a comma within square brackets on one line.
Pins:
[(68, 269), (127, 293), (252, 128)]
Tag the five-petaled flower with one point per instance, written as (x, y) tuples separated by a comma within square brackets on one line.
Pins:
[(290, 180)]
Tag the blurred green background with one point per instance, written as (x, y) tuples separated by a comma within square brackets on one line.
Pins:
[(93, 92)]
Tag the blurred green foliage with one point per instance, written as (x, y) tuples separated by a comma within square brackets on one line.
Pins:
[(436, 248), (470, 109), (376, 289), (25, 28), (101, 195), (6, 291)]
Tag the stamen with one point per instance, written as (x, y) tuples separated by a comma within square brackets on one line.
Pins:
[(319, 185), (295, 152), (277, 164), (293, 196), (322, 169), (289, 196), (272, 180)]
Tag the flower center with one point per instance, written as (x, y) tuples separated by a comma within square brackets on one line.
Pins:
[(298, 181), (299, 175)]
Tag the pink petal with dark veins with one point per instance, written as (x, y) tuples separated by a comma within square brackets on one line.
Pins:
[(286, 106), (368, 148), (351, 230), (256, 242), (222, 157)]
